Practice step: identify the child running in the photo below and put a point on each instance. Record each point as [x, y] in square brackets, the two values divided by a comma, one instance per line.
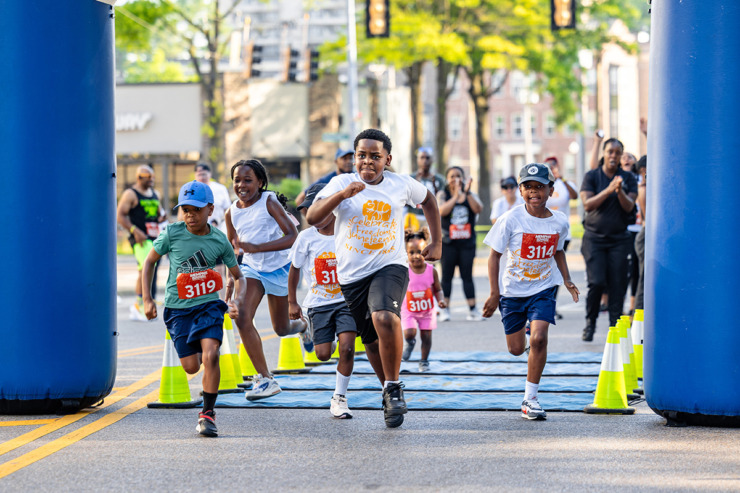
[259, 226]
[534, 237]
[193, 313]
[313, 253]
[417, 309]
[371, 262]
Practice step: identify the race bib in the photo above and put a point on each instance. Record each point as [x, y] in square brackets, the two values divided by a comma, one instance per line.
[326, 271]
[538, 246]
[152, 230]
[194, 284]
[419, 301]
[460, 232]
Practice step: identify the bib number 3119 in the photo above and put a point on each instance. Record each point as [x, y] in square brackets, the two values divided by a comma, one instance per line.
[195, 284]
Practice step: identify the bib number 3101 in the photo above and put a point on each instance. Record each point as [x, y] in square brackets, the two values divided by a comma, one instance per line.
[419, 301]
[196, 284]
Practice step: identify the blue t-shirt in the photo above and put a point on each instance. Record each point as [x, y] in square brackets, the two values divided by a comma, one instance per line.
[192, 280]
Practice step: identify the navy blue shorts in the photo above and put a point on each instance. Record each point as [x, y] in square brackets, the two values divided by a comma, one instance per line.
[330, 320]
[187, 326]
[516, 311]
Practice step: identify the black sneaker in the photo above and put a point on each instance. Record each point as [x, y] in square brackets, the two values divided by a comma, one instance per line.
[207, 424]
[588, 332]
[408, 349]
[393, 401]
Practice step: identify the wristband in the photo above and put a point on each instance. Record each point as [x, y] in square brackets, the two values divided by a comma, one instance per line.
[131, 229]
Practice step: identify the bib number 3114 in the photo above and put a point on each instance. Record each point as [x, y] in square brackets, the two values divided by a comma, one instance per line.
[538, 246]
[195, 284]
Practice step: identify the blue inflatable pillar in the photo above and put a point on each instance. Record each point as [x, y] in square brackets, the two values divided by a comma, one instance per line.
[692, 336]
[58, 286]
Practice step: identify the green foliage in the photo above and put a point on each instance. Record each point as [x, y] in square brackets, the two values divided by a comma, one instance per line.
[158, 69]
[290, 187]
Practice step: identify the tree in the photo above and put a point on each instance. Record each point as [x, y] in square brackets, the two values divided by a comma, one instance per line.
[187, 29]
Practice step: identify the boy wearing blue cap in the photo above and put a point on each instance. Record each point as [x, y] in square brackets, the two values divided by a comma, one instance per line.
[534, 237]
[193, 312]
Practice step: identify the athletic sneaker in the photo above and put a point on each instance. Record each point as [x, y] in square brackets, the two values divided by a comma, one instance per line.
[135, 314]
[393, 401]
[339, 408]
[263, 387]
[423, 366]
[408, 349]
[474, 315]
[207, 424]
[531, 409]
[443, 315]
[307, 335]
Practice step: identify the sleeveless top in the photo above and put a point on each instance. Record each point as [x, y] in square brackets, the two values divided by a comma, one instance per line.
[254, 224]
[458, 227]
[145, 215]
[419, 295]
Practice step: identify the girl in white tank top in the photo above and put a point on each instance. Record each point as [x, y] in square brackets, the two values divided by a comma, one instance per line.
[258, 226]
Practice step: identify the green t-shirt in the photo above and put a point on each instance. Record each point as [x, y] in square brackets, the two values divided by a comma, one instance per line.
[191, 280]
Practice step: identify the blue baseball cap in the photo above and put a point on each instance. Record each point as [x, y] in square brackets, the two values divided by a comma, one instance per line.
[342, 153]
[194, 193]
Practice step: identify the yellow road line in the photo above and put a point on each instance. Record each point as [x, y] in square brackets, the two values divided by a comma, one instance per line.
[27, 422]
[27, 438]
[137, 349]
[150, 351]
[56, 445]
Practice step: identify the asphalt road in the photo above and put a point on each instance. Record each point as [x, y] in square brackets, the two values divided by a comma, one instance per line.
[124, 446]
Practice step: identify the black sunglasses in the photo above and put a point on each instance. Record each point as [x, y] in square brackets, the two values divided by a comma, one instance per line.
[145, 177]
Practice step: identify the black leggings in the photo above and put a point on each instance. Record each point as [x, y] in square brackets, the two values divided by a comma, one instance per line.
[461, 257]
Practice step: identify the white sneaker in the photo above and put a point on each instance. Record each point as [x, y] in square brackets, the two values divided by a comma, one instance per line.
[444, 315]
[263, 387]
[474, 315]
[531, 409]
[339, 408]
[135, 314]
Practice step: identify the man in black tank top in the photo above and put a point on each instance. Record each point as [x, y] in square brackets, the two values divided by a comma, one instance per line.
[139, 213]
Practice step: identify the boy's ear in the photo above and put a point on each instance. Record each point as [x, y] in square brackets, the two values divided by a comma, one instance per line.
[552, 190]
[210, 209]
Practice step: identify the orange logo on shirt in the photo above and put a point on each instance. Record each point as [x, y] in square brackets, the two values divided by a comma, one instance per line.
[375, 211]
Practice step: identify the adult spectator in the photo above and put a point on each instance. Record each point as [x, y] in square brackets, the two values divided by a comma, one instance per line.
[608, 194]
[139, 213]
[641, 168]
[458, 209]
[509, 199]
[563, 192]
[427, 177]
[221, 196]
[343, 159]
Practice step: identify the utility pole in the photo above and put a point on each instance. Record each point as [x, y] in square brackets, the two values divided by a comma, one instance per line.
[352, 86]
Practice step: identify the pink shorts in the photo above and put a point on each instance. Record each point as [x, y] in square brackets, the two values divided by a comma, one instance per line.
[421, 321]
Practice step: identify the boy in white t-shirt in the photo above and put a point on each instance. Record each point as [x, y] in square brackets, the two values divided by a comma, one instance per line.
[372, 264]
[534, 237]
[313, 254]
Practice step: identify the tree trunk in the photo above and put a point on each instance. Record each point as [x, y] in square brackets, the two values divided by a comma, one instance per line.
[443, 92]
[414, 75]
[479, 96]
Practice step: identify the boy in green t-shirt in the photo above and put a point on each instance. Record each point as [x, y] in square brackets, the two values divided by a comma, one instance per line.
[193, 312]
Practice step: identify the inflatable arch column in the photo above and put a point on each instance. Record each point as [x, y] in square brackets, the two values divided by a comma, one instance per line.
[692, 269]
[58, 287]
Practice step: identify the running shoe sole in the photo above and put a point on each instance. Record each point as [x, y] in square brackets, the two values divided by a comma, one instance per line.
[392, 421]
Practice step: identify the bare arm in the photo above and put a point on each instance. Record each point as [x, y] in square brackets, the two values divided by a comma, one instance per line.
[572, 194]
[433, 250]
[445, 206]
[593, 201]
[235, 307]
[563, 268]
[290, 233]
[147, 272]
[294, 277]
[437, 288]
[594, 161]
[491, 304]
[642, 200]
[474, 202]
[128, 201]
[321, 208]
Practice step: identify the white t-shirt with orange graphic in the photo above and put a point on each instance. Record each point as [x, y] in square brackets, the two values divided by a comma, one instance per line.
[313, 253]
[369, 226]
[531, 243]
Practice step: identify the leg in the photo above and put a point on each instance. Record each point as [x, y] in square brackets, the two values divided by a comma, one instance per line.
[640, 249]
[346, 347]
[137, 286]
[516, 342]
[596, 263]
[617, 265]
[372, 351]
[538, 350]
[465, 265]
[390, 342]
[281, 322]
[323, 351]
[248, 332]
[211, 368]
[426, 344]
[191, 364]
[410, 335]
[449, 261]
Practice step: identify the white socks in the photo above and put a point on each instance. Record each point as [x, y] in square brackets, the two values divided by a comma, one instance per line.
[530, 391]
[342, 384]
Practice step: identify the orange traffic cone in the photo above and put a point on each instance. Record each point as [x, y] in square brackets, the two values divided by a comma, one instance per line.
[174, 390]
[610, 396]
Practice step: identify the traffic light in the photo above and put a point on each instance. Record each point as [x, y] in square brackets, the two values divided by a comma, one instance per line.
[312, 65]
[252, 55]
[290, 65]
[562, 14]
[378, 18]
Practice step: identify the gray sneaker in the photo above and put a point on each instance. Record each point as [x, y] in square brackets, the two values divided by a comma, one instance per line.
[307, 335]
[474, 315]
[263, 387]
[408, 349]
[531, 409]
[423, 366]
[444, 315]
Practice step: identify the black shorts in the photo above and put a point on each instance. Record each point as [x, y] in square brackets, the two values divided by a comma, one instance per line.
[329, 321]
[381, 290]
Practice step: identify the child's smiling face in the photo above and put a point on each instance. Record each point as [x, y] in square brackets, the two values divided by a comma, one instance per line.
[535, 194]
[246, 184]
[414, 247]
